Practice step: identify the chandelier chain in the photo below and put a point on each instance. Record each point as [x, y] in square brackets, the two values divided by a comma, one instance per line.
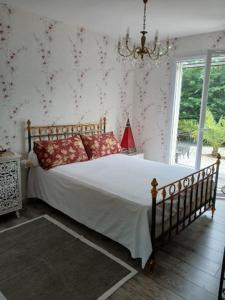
[144, 18]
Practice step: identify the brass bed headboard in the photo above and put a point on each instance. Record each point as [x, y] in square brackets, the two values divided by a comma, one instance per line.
[55, 132]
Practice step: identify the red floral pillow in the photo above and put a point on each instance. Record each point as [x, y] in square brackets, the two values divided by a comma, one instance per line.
[60, 152]
[98, 145]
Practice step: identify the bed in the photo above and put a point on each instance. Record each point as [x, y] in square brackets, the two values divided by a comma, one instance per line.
[112, 194]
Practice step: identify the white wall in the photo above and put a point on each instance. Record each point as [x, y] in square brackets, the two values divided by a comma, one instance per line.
[54, 73]
[153, 100]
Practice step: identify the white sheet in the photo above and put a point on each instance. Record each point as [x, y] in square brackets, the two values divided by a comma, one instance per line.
[110, 195]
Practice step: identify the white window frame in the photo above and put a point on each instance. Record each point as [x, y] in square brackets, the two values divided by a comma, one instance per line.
[175, 108]
[204, 100]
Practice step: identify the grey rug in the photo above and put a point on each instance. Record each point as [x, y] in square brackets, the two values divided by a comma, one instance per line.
[43, 259]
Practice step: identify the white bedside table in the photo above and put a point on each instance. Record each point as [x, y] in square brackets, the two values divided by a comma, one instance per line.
[135, 154]
[10, 183]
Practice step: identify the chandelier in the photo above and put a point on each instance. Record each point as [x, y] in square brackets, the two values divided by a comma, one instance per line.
[152, 51]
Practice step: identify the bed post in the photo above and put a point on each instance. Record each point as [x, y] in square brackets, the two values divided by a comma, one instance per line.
[154, 193]
[104, 124]
[29, 135]
[213, 207]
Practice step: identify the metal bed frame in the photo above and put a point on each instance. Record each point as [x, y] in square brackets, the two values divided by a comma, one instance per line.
[185, 199]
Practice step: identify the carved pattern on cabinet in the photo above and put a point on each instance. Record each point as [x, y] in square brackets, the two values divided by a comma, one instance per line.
[10, 189]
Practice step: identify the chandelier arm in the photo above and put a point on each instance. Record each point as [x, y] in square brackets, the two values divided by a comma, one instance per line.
[155, 55]
[164, 51]
[135, 52]
[148, 52]
[128, 48]
[124, 55]
[152, 50]
[130, 52]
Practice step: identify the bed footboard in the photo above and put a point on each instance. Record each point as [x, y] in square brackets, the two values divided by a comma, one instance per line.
[178, 204]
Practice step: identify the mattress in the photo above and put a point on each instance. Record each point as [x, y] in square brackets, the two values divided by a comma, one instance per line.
[110, 195]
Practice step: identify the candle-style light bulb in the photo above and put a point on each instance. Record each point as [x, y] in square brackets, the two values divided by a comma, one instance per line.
[168, 43]
[119, 43]
[128, 31]
[127, 35]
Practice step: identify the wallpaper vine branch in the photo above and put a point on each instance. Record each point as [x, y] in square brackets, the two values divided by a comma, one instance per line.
[51, 72]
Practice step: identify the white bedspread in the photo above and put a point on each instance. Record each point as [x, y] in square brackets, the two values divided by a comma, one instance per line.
[110, 195]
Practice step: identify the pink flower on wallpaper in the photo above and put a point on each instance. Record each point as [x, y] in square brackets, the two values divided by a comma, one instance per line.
[44, 51]
[6, 86]
[141, 138]
[5, 23]
[80, 34]
[15, 110]
[145, 106]
[125, 78]
[76, 54]
[6, 139]
[105, 40]
[142, 92]
[45, 45]
[122, 95]
[104, 107]
[163, 103]
[173, 43]
[77, 46]
[77, 98]
[140, 122]
[106, 75]
[11, 61]
[81, 73]
[51, 78]
[45, 101]
[82, 76]
[101, 95]
[146, 78]
[218, 40]
[144, 111]
[7, 80]
[102, 44]
[49, 28]
[83, 116]
[125, 103]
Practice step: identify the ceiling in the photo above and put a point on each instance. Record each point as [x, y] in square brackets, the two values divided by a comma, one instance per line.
[173, 18]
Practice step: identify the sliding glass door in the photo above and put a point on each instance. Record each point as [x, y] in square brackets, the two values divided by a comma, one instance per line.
[199, 127]
[189, 81]
[211, 138]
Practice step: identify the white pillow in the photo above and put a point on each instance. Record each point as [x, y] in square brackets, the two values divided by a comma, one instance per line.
[32, 158]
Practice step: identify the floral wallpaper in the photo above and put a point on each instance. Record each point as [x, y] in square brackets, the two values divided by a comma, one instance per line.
[54, 73]
[153, 97]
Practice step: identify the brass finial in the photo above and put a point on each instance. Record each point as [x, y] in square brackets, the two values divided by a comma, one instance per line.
[154, 185]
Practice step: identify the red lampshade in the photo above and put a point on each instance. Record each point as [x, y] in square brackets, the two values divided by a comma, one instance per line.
[127, 142]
